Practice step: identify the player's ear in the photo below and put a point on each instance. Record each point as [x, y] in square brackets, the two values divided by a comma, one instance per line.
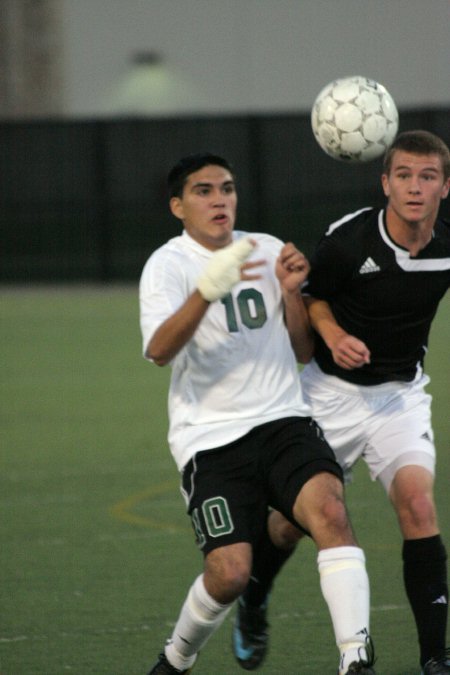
[385, 184]
[445, 189]
[176, 207]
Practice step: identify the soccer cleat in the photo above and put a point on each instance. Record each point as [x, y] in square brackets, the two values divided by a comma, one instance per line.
[250, 636]
[439, 665]
[163, 667]
[364, 666]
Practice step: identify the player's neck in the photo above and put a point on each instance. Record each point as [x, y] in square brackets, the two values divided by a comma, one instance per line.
[412, 235]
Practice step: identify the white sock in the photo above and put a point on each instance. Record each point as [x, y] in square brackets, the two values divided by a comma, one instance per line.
[199, 618]
[345, 587]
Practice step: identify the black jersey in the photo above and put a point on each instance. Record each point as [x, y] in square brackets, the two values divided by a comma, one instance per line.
[379, 294]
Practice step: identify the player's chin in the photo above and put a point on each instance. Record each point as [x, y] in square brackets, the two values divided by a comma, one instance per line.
[222, 235]
[414, 210]
[224, 231]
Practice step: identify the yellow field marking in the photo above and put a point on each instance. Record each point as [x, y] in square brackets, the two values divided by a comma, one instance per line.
[123, 510]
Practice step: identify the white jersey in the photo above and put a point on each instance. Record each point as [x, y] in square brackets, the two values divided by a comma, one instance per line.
[238, 370]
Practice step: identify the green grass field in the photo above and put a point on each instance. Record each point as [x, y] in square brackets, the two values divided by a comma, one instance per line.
[96, 550]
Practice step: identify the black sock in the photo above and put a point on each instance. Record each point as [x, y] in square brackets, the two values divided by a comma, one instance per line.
[425, 577]
[267, 562]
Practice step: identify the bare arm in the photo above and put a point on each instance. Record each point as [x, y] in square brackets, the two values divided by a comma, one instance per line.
[348, 351]
[292, 269]
[177, 330]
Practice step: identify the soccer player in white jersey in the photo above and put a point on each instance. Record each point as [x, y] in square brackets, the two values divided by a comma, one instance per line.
[215, 305]
[376, 281]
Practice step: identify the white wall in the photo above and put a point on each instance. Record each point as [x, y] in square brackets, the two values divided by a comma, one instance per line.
[240, 56]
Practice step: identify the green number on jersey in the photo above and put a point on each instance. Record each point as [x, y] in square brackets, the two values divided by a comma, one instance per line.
[251, 309]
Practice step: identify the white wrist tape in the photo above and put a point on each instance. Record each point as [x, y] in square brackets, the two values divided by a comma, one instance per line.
[224, 270]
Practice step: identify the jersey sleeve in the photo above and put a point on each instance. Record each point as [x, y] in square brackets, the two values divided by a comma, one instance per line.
[330, 269]
[162, 290]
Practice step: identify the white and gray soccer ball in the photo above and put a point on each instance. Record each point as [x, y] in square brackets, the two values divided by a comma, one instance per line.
[354, 119]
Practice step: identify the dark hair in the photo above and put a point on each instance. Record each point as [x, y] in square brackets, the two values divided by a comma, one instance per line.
[179, 173]
[419, 143]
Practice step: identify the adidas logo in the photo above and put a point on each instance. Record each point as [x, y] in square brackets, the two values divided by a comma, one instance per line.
[442, 600]
[369, 266]
[426, 436]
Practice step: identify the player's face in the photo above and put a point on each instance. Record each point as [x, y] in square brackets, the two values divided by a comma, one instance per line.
[415, 187]
[208, 206]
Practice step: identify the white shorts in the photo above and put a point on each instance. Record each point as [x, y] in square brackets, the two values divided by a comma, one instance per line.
[389, 425]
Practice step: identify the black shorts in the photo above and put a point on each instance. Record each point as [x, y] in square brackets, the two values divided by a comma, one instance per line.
[229, 489]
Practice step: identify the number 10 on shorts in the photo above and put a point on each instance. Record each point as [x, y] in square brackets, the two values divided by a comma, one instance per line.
[217, 517]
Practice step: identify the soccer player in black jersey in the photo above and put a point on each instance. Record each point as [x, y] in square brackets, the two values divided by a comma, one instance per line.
[376, 281]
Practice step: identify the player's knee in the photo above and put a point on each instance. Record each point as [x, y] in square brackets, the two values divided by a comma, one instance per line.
[418, 510]
[228, 577]
[288, 537]
[283, 534]
[235, 579]
[334, 514]
[320, 507]
[327, 521]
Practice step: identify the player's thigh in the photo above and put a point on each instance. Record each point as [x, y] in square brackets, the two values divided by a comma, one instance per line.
[301, 454]
[402, 436]
[342, 415]
[226, 501]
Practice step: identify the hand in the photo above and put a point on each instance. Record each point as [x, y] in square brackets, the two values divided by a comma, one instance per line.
[291, 268]
[226, 268]
[246, 275]
[349, 352]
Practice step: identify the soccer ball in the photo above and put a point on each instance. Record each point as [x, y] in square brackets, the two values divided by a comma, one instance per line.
[354, 119]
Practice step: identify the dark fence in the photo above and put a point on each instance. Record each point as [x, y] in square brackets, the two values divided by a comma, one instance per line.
[86, 200]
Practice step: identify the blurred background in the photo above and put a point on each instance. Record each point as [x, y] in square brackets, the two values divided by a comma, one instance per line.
[98, 98]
